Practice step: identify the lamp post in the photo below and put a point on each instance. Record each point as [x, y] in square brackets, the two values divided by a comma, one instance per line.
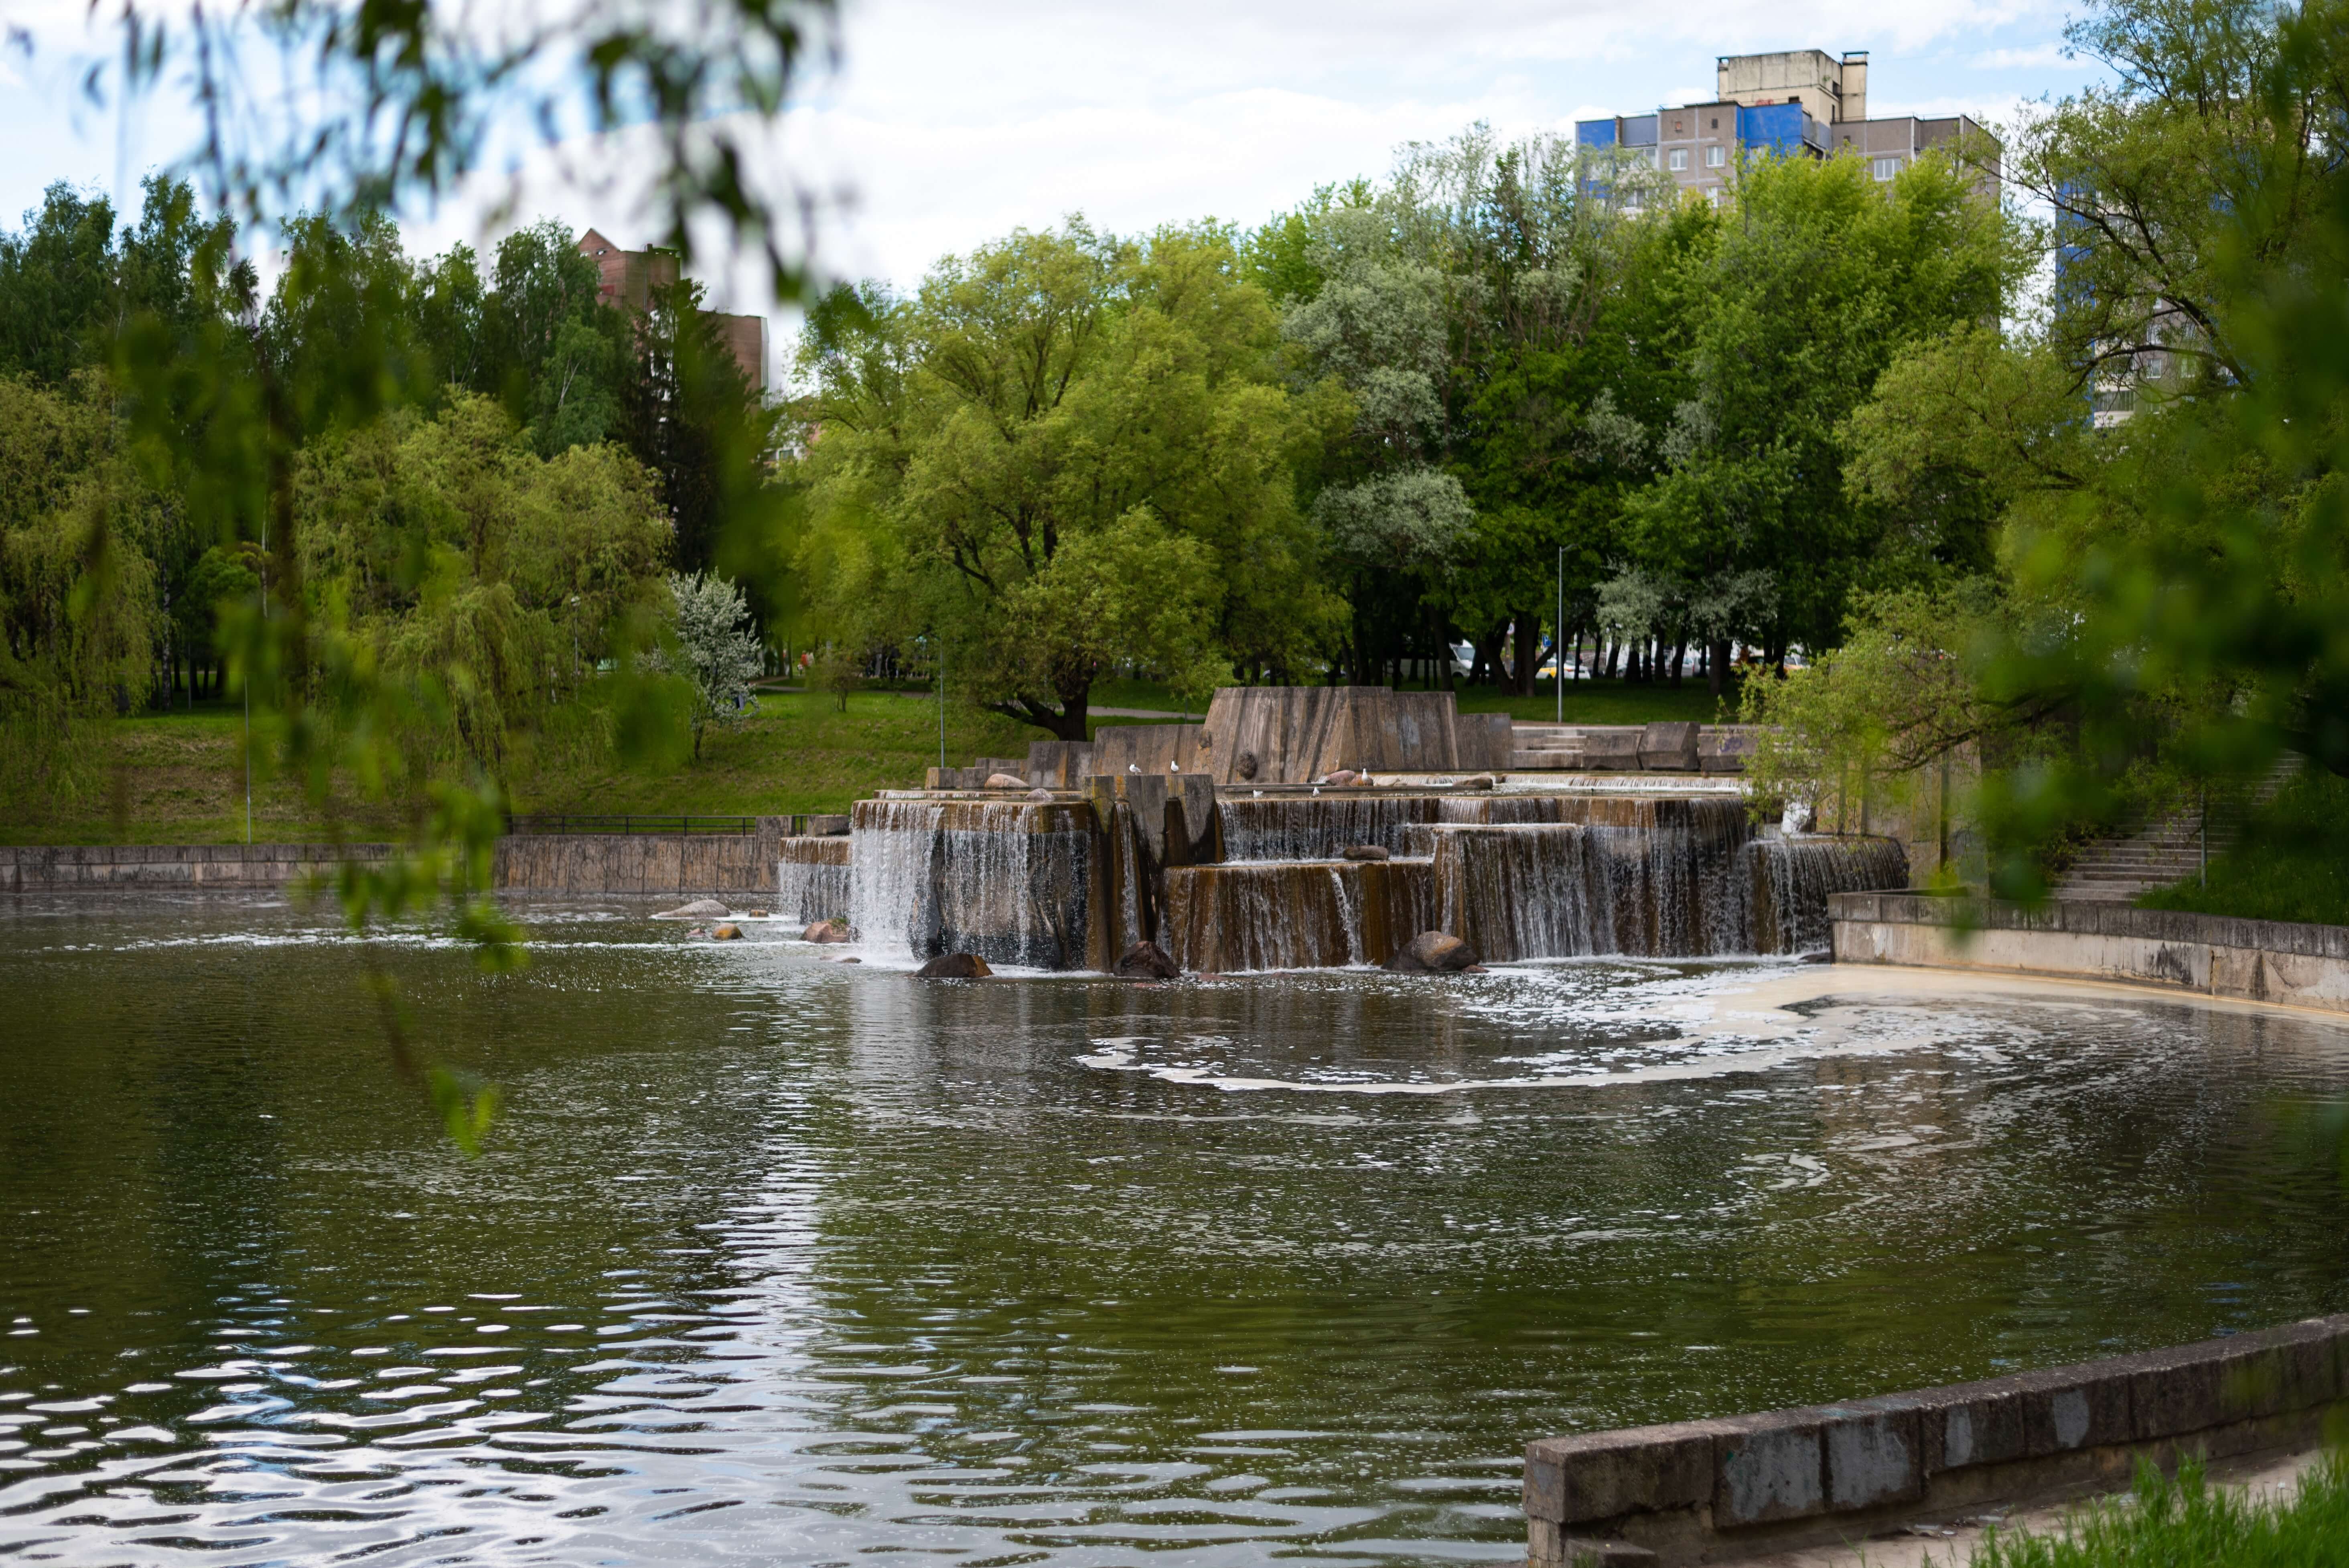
[1558, 635]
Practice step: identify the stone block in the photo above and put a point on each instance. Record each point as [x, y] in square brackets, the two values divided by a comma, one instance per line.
[1724, 748]
[1873, 1454]
[1972, 1424]
[1669, 748]
[1611, 748]
[2065, 1409]
[1605, 1475]
[1767, 1467]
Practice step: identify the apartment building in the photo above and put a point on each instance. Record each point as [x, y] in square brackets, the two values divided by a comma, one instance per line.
[628, 278]
[1797, 103]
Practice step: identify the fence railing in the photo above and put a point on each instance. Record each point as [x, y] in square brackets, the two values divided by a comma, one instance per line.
[630, 823]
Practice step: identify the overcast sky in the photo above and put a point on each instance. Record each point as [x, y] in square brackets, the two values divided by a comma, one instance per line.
[950, 122]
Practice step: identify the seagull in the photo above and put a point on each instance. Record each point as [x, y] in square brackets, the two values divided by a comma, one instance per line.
[1174, 768]
[1134, 768]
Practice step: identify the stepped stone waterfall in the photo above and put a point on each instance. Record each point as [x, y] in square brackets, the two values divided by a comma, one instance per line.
[1213, 842]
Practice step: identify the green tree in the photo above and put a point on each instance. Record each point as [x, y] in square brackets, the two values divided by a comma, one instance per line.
[1069, 452]
[1820, 278]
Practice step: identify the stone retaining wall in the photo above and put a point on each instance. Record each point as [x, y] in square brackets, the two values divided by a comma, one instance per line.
[564, 863]
[1711, 1492]
[55, 868]
[2256, 960]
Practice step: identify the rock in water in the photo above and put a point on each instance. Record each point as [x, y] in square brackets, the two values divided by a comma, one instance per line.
[700, 909]
[727, 934]
[1433, 953]
[1341, 776]
[1145, 961]
[833, 930]
[957, 966]
[1366, 852]
[1481, 782]
[1005, 781]
[757, 914]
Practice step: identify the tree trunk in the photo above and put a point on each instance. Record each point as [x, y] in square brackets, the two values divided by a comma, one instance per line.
[1680, 659]
[1716, 668]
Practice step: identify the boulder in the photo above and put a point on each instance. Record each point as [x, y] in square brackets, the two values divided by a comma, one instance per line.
[1342, 775]
[1145, 961]
[757, 914]
[833, 930]
[728, 932]
[955, 966]
[1367, 852]
[1481, 782]
[1040, 794]
[1005, 781]
[700, 909]
[1433, 953]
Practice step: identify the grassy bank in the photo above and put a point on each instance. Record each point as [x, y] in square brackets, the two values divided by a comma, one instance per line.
[2292, 862]
[2188, 1523]
[179, 776]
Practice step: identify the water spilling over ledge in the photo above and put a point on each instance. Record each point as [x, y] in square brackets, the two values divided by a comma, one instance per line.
[1259, 880]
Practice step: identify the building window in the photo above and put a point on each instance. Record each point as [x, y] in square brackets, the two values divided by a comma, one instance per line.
[1678, 158]
[1712, 156]
[1887, 167]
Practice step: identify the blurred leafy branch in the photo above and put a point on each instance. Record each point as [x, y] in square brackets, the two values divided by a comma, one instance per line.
[322, 123]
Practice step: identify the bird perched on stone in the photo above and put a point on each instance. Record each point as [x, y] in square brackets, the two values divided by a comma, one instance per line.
[1134, 768]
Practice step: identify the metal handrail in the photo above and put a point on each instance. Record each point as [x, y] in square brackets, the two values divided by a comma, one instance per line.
[630, 823]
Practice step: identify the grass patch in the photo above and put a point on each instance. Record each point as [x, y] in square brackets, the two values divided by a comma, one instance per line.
[2292, 862]
[2188, 1523]
[179, 778]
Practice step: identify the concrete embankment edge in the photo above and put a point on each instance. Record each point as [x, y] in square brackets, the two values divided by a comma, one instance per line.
[1717, 1491]
[2252, 960]
[554, 863]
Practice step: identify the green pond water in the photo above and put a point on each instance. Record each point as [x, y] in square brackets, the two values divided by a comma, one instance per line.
[777, 1260]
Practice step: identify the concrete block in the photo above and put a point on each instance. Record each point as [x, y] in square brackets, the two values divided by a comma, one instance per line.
[1611, 748]
[1767, 1467]
[1603, 1475]
[1724, 748]
[1972, 1424]
[1669, 748]
[2070, 1407]
[1873, 1454]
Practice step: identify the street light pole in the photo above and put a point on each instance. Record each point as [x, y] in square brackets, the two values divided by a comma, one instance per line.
[1558, 635]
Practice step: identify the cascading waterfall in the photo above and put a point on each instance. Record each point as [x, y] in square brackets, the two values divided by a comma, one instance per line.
[1006, 880]
[1323, 826]
[814, 879]
[1792, 878]
[1518, 877]
[1294, 914]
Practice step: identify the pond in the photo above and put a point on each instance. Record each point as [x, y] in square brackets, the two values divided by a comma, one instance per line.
[779, 1260]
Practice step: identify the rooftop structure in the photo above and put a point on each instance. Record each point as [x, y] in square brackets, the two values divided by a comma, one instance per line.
[629, 277]
[1795, 103]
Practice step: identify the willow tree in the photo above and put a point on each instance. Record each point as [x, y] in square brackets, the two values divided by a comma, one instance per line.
[1068, 453]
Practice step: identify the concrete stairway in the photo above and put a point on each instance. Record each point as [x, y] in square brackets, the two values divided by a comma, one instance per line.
[2115, 871]
[1543, 746]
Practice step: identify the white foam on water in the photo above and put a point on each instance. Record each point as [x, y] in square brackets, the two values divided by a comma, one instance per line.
[1852, 1011]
